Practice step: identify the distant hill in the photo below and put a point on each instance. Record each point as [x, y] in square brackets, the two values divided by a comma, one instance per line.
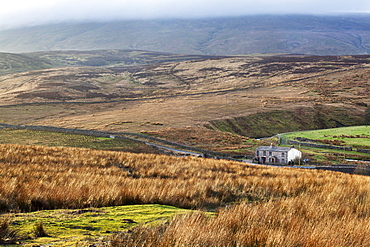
[293, 34]
[254, 96]
[14, 63]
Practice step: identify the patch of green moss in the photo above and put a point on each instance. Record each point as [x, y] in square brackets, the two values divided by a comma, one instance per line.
[81, 227]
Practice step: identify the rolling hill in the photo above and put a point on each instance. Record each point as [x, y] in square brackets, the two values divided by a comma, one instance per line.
[13, 63]
[253, 96]
[298, 34]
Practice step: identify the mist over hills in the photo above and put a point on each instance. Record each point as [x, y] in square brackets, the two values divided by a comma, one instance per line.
[293, 34]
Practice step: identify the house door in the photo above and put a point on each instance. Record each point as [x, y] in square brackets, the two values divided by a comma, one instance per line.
[263, 160]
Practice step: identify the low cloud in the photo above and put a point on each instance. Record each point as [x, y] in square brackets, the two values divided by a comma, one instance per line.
[22, 13]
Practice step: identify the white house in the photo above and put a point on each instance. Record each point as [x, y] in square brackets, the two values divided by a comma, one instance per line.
[277, 155]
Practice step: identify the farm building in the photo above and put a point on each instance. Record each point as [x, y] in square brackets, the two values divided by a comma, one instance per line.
[276, 155]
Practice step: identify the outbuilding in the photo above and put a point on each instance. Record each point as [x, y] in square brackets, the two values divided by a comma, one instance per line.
[277, 155]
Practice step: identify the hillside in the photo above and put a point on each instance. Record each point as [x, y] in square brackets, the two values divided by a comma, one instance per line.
[13, 63]
[251, 204]
[293, 34]
[252, 96]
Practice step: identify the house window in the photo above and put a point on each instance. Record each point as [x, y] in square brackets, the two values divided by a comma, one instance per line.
[283, 160]
[270, 153]
[258, 153]
[282, 154]
[264, 152]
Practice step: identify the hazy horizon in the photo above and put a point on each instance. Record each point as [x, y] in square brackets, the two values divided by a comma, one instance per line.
[21, 13]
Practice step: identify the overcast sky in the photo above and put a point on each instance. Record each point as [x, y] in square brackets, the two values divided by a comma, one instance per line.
[15, 13]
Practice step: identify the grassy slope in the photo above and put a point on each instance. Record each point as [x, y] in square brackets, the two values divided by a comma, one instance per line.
[270, 123]
[218, 141]
[14, 63]
[53, 139]
[285, 207]
[320, 35]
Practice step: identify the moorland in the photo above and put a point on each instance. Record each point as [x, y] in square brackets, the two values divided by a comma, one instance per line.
[254, 96]
[218, 103]
[250, 205]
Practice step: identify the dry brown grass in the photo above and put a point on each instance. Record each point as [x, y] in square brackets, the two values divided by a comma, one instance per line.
[328, 210]
[44, 178]
[7, 235]
[273, 206]
[258, 85]
[214, 140]
[286, 222]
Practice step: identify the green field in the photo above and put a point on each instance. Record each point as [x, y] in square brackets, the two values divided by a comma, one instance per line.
[83, 226]
[356, 136]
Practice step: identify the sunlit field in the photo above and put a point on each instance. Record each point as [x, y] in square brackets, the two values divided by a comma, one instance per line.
[253, 205]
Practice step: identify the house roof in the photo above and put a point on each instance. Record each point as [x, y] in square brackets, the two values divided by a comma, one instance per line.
[273, 148]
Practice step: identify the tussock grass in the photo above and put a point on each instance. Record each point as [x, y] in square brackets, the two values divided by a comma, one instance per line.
[288, 222]
[333, 210]
[39, 230]
[267, 206]
[7, 235]
[35, 178]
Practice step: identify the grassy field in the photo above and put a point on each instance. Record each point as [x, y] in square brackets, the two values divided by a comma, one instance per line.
[54, 139]
[81, 227]
[356, 136]
[254, 205]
